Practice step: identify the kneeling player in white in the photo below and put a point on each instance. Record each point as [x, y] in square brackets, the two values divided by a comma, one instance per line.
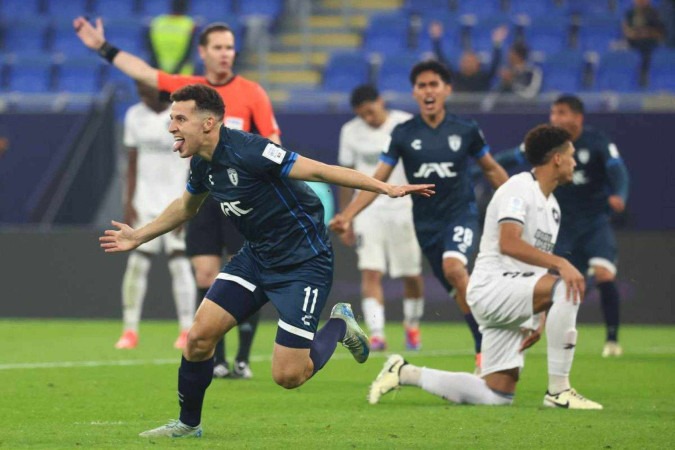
[511, 289]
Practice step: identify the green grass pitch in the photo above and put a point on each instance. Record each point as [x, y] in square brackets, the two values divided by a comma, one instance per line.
[62, 385]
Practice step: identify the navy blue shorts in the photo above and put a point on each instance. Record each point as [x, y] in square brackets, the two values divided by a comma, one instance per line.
[459, 240]
[298, 292]
[588, 244]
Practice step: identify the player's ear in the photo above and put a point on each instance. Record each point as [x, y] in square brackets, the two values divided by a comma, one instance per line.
[209, 123]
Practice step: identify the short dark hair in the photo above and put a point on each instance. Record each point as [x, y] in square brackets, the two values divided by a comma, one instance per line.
[362, 94]
[521, 49]
[542, 141]
[179, 6]
[213, 28]
[206, 99]
[433, 66]
[572, 101]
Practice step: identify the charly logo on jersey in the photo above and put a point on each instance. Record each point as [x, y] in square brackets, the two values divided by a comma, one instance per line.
[233, 175]
[416, 144]
[455, 142]
[233, 208]
[583, 155]
[443, 170]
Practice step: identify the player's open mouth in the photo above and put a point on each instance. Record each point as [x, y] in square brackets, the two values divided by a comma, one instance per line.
[178, 144]
[429, 101]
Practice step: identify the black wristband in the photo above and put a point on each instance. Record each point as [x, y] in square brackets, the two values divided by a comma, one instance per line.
[108, 52]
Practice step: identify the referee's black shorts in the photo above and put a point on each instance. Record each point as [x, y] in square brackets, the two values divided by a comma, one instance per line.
[210, 231]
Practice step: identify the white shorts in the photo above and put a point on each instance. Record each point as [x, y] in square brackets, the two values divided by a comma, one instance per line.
[173, 241]
[502, 306]
[386, 242]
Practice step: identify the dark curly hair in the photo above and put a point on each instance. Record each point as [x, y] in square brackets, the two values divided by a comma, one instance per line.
[206, 99]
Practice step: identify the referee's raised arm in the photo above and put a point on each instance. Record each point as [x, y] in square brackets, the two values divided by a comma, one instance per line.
[93, 37]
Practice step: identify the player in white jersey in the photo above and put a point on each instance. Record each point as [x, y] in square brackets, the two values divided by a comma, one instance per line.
[512, 287]
[384, 234]
[154, 179]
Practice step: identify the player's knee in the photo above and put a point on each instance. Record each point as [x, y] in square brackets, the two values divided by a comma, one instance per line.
[455, 272]
[288, 379]
[199, 345]
[204, 277]
[602, 275]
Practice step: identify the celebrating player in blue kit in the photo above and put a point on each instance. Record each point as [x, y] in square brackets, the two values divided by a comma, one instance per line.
[435, 147]
[600, 185]
[287, 258]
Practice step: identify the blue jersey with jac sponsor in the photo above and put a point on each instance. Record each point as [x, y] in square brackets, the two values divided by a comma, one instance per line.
[440, 156]
[586, 197]
[281, 218]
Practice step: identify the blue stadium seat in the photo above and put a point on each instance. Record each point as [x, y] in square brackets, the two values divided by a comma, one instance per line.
[25, 35]
[452, 31]
[14, 9]
[532, 8]
[270, 8]
[618, 71]
[32, 75]
[427, 7]
[387, 33]
[547, 34]
[117, 9]
[80, 74]
[479, 8]
[211, 11]
[67, 9]
[64, 40]
[155, 7]
[395, 73]
[480, 34]
[563, 72]
[662, 71]
[592, 7]
[598, 31]
[345, 71]
[128, 35]
[124, 85]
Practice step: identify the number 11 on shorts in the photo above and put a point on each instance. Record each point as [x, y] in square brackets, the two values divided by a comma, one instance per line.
[309, 291]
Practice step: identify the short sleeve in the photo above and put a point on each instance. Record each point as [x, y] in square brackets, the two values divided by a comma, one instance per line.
[263, 114]
[270, 159]
[130, 139]
[197, 178]
[513, 207]
[345, 152]
[478, 146]
[392, 149]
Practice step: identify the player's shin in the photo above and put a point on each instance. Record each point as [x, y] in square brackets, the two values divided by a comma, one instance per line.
[193, 379]
[325, 341]
[561, 335]
[459, 387]
[134, 286]
[609, 299]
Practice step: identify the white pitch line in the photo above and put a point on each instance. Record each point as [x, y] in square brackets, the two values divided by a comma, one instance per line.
[261, 358]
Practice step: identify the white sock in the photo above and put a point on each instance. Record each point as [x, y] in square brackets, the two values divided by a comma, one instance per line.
[134, 285]
[184, 290]
[413, 310]
[561, 336]
[460, 387]
[373, 315]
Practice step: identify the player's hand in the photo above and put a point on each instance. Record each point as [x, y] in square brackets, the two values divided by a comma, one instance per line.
[121, 240]
[348, 237]
[574, 280]
[435, 30]
[90, 36]
[531, 338]
[425, 190]
[616, 203]
[499, 34]
[339, 224]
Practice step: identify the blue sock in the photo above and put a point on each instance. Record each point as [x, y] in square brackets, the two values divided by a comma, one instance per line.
[193, 379]
[325, 341]
[609, 299]
[473, 326]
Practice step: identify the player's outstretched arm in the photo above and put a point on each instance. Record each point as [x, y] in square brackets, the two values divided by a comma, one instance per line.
[177, 213]
[93, 37]
[512, 244]
[494, 172]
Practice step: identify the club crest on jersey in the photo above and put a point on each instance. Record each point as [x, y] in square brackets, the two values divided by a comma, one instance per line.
[455, 142]
[234, 176]
[583, 155]
[556, 216]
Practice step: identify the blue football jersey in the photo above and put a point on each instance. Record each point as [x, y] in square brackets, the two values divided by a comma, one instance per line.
[440, 156]
[586, 196]
[281, 218]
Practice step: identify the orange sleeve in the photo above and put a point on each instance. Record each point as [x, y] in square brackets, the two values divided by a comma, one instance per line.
[263, 114]
[170, 83]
